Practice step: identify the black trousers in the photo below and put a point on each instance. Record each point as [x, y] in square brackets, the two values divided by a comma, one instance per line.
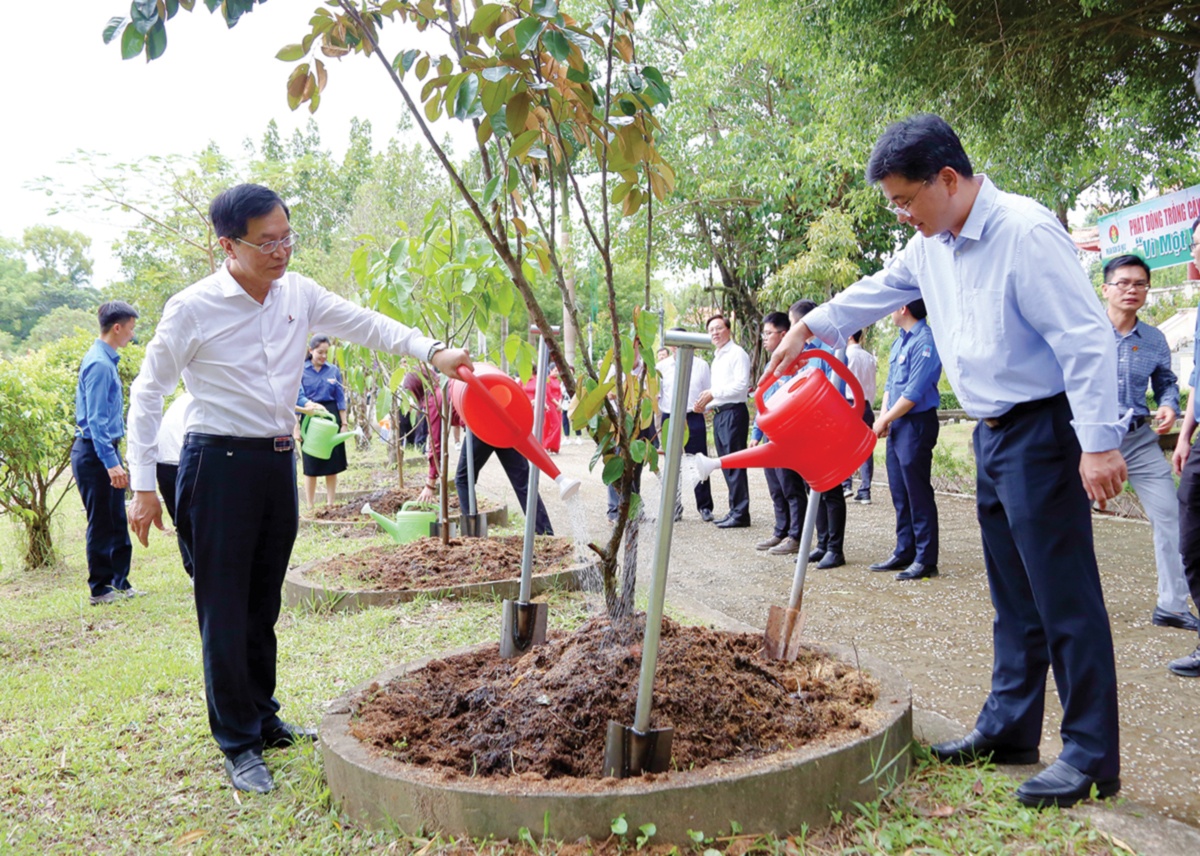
[239, 512]
[831, 521]
[697, 444]
[108, 547]
[731, 429]
[790, 501]
[1189, 521]
[909, 458]
[167, 477]
[1036, 523]
[516, 467]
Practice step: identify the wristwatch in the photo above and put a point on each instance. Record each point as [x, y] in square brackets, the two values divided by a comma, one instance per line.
[433, 349]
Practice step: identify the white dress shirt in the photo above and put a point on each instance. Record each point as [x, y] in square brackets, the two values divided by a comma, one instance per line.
[730, 375]
[171, 430]
[862, 365]
[701, 380]
[242, 360]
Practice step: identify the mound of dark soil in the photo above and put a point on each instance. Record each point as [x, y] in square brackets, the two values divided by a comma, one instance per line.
[427, 563]
[545, 715]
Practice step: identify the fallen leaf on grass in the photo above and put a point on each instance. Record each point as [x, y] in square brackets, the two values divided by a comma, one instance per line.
[977, 788]
[940, 811]
[1117, 842]
[190, 837]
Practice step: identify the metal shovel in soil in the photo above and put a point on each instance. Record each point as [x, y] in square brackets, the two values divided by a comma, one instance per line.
[474, 524]
[523, 624]
[633, 750]
[784, 626]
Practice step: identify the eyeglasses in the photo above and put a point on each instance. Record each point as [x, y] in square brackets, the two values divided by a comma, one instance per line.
[271, 246]
[902, 210]
[1130, 284]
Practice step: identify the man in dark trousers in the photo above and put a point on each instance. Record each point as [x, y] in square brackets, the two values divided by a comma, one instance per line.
[96, 456]
[516, 467]
[1031, 356]
[909, 422]
[726, 398]
[785, 486]
[238, 338]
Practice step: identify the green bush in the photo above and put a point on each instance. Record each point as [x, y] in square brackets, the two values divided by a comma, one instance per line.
[948, 401]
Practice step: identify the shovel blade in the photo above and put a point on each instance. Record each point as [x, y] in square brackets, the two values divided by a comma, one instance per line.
[474, 526]
[629, 752]
[784, 630]
[522, 626]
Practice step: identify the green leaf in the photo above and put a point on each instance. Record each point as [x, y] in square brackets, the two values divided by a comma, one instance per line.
[113, 29]
[485, 16]
[496, 73]
[590, 405]
[491, 191]
[131, 43]
[619, 825]
[545, 8]
[144, 14]
[527, 33]
[579, 75]
[614, 468]
[637, 451]
[522, 143]
[557, 45]
[291, 53]
[465, 97]
[156, 41]
[500, 122]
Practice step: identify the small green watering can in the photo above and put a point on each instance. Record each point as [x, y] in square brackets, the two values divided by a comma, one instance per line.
[408, 525]
[321, 435]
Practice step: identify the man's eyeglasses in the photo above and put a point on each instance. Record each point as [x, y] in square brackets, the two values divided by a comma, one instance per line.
[902, 210]
[271, 246]
[1130, 284]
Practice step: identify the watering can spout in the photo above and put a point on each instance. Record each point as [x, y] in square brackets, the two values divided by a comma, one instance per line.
[388, 526]
[765, 455]
[567, 487]
[705, 466]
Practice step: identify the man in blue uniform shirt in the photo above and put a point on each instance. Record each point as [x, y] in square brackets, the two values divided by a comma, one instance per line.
[909, 421]
[96, 458]
[1031, 356]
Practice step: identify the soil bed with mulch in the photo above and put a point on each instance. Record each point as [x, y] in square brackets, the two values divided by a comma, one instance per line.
[427, 563]
[387, 502]
[545, 715]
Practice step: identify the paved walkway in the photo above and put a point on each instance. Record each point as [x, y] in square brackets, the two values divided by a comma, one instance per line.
[938, 632]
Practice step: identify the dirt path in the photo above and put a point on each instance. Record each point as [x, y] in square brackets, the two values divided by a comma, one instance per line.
[938, 632]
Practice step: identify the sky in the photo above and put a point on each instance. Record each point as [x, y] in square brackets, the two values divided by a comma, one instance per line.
[75, 92]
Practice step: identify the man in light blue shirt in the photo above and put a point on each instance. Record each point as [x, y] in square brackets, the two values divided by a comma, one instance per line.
[1030, 355]
[96, 456]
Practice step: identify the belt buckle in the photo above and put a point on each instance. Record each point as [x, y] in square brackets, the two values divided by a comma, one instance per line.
[992, 423]
[284, 444]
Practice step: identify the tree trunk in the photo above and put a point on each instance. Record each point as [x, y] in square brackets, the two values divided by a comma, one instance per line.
[39, 544]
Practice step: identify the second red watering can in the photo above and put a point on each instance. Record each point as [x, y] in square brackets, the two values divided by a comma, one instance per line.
[813, 430]
[497, 411]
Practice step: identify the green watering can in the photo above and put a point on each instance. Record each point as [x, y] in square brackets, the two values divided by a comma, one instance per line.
[408, 525]
[321, 435]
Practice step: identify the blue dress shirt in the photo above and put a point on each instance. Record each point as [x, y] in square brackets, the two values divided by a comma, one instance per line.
[323, 385]
[1144, 358]
[99, 403]
[1014, 317]
[914, 369]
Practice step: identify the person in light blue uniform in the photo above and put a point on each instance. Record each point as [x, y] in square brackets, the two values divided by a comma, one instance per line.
[1031, 356]
[909, 421]
[96, 456]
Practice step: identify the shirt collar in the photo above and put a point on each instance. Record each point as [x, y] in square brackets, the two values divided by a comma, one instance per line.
[230, 287]
[1136, 331]
[985, 201]
[109, 350]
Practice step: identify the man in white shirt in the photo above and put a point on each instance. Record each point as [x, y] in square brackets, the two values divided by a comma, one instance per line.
[726, 398]
[238, 339]
[863, 364]
[697, 438]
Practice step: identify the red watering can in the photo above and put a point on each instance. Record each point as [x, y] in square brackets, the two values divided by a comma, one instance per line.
[497, 410]
[813, 430]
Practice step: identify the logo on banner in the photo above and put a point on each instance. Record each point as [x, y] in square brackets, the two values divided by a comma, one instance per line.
[1114, 234]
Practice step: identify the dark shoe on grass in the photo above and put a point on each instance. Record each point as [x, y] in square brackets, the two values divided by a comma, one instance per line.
[975, 747]
[287, 735]
[248, 772]
[1062, 785]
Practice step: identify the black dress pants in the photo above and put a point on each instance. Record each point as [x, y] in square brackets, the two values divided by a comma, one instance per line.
[516, 467]
[831, 521]
[731, 430]
[1036, 523]
[909, 459]
[109, 549]
[239, 512]
[167, 476]
[790, 500]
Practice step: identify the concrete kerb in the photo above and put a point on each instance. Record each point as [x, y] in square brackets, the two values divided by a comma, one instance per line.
[779, 793]
[302, 592]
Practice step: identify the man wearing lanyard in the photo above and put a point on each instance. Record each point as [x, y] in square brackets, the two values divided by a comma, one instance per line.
[731, 418]
[96, 458]
[1031, 356]
[238, 339]
[1144, 359]
[909, 421]
[697, 442]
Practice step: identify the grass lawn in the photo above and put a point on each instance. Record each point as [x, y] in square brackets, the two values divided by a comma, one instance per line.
[105, 748]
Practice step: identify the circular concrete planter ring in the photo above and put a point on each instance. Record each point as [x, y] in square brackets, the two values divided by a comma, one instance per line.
[300, 591]
[776, 794]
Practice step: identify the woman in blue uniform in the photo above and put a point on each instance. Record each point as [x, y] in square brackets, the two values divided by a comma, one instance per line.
[322, 384]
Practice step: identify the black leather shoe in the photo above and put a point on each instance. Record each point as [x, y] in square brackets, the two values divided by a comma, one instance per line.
[288, 735]
[917, 571]
[1062, 785]
[975, 747]
[831, 560]
[1180, 620]
[733, 523]
[1187, 667]
[706, 515]
[248, 772]
[891, 563]
[816, 555]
